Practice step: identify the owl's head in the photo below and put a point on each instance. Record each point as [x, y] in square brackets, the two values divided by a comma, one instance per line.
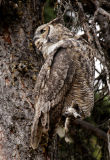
[49, 34]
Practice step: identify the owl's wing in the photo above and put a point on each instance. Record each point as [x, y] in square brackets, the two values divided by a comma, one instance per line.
[53, 83]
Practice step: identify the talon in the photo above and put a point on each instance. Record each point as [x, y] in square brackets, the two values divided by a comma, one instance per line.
[72, 112]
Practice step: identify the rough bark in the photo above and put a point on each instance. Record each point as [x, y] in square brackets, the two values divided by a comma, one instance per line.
[19, 66]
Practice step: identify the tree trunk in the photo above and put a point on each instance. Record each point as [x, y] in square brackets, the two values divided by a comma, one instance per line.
[19, 66]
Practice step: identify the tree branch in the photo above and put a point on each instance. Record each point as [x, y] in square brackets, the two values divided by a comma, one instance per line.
[96, 131]
[85, 125]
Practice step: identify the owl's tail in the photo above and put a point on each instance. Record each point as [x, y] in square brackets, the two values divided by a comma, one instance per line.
[36, 133]
[40, 126]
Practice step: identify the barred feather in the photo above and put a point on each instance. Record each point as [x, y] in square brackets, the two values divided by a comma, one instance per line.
[66, 78]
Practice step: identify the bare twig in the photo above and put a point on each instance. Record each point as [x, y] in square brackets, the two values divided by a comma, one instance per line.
[100, 53]
[103, 12]
[85, 24]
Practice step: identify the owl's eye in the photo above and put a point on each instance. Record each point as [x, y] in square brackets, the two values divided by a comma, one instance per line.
[42, 31]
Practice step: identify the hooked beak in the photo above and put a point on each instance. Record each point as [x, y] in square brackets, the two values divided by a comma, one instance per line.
[35, 38]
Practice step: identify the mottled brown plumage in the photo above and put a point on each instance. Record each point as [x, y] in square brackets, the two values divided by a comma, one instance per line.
[65, 80]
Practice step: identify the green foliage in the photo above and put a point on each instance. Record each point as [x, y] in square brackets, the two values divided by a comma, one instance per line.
[96, 148]
[49, 12]
[101, 110]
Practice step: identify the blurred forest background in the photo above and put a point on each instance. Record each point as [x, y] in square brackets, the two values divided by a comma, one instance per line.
[20, 65]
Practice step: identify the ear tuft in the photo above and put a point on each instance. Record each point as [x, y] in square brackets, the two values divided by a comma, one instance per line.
[56, 21]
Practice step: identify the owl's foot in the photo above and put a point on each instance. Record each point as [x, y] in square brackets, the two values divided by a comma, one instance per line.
[67, 128]
[71, 112]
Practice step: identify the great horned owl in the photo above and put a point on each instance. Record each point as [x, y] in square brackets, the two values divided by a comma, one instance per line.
[64, 81]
